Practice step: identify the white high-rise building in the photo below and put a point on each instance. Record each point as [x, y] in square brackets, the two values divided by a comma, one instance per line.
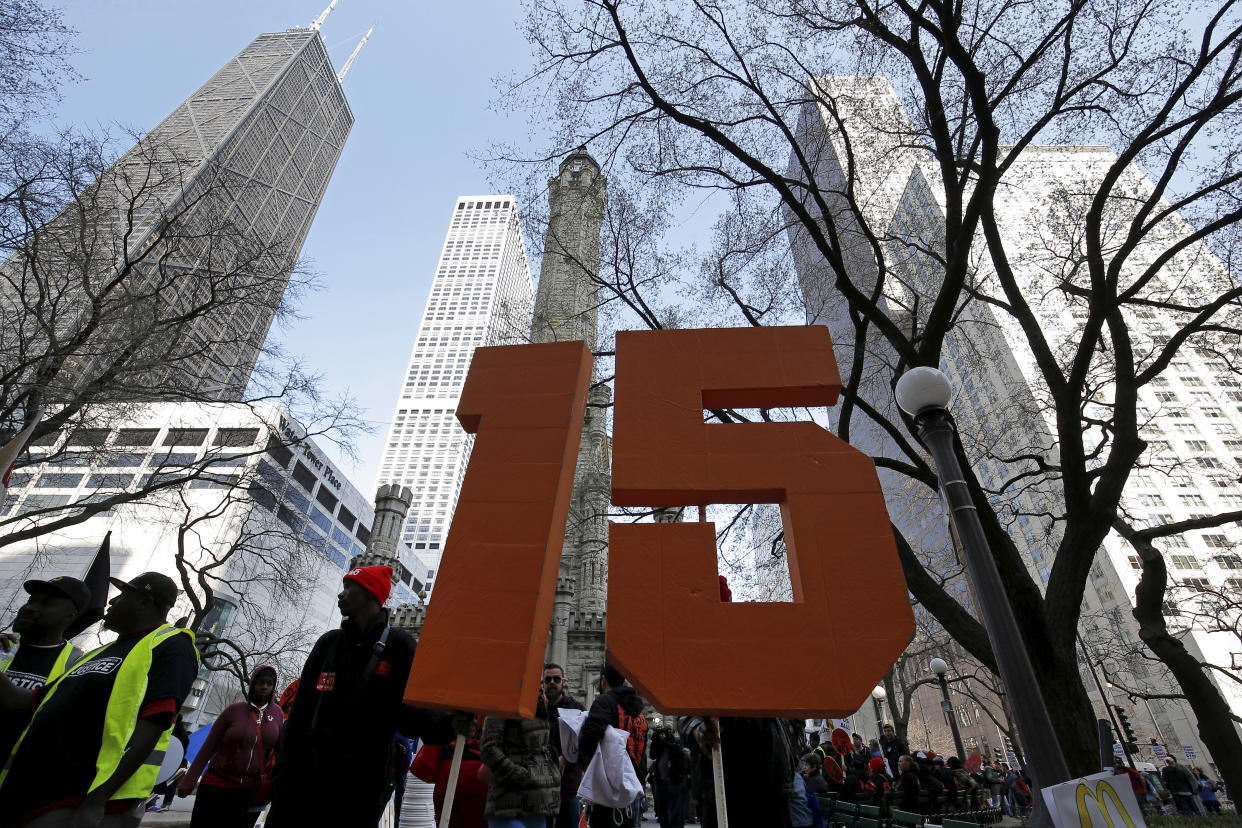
[1192, 414]
[271, 525]
[481, 295]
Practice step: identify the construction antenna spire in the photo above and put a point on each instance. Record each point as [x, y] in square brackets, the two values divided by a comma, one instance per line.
[318, 24]
[340, 76]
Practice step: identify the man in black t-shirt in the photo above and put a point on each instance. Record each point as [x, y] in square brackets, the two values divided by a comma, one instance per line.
[68, 767]
[42, 652]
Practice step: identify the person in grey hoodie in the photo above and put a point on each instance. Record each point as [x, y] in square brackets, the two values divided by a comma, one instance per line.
[618, 705]
[525, 784]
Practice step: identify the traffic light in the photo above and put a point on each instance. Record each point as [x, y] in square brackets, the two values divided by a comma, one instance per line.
[996, 752]
[1127, 729]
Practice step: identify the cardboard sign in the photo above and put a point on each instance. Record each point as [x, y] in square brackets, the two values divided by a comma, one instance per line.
[482, 646]
[1102, 800]
[841, 742]
[668, 630]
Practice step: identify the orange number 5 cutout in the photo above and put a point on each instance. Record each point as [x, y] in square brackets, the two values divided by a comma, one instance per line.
[483, 643]
[668, 630]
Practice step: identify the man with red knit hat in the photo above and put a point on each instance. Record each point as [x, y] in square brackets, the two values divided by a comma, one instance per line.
[336, 755]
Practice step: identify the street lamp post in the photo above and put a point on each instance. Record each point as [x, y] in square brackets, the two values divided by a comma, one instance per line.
[878, 695]
[924, 394]
[940, 667]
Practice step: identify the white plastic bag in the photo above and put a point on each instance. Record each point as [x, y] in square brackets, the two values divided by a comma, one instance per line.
[610, 779]
[570, 724]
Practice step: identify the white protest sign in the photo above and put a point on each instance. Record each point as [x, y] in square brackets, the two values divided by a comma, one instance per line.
[1102, 800]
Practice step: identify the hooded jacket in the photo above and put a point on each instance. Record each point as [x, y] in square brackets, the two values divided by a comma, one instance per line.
[340, 735]
[610, 709]
[241, 743]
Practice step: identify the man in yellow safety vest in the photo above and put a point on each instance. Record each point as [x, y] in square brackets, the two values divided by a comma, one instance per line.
[91, 753]
[42, 653]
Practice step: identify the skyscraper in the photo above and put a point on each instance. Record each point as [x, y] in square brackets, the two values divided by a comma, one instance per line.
[1192, 420]
[214, 205]
[481, 295]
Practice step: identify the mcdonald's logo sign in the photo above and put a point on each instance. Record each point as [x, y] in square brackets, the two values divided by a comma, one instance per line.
[1103, 796]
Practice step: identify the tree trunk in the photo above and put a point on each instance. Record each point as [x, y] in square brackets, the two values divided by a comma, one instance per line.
[1069, 707]
[1216, 726]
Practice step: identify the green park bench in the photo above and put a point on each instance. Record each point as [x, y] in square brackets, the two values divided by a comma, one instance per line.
[906, 819]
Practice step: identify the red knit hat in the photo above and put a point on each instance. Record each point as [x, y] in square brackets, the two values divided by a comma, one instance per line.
[376, 580]
[876, 764]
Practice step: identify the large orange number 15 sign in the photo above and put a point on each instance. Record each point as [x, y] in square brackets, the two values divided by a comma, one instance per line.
[688, 652]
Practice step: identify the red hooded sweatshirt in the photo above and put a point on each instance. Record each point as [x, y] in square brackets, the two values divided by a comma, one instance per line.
[239, 746]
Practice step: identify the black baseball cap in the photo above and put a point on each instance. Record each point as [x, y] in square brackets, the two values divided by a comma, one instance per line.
[64, 586]
[154, 585]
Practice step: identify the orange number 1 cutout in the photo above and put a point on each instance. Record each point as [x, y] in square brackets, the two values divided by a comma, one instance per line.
[483, 643]
[668, 630]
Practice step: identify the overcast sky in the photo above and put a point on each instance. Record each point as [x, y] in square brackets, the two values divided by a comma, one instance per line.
[419, 92]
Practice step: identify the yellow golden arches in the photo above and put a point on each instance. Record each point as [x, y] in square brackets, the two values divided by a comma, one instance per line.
[1103, 791]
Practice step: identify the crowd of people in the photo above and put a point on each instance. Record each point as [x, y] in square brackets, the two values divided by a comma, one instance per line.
[334, 749]
[886, 773]
[336, 746]
[1174, 787]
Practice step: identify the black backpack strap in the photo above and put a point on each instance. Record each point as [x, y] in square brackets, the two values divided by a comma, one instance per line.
[376, 652]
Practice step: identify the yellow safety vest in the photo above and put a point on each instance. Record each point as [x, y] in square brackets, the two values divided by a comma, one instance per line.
[62, 662]
[121, 716]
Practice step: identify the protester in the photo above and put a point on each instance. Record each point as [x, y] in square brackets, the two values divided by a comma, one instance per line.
[812, 771]
[893, 748]
[524, 785]
[103, 719]
[620, 706]
[759, 759]
[945, 776]
[800, 813]
[1182, 784]
[995, 777]
[862, 753]
[874, 747]
[967, 787]
[1207, 792]
[881, 782]
[931, 789]
[1137, 783]
[556, 692]
[162, 794]
[42, 653]
[669, 774]
[1022, 798]
[433, 764]
[334, 759]
[238, 755]
[907, 784]
[857, 785]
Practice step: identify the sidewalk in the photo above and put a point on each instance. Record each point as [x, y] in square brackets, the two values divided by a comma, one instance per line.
[178, 815]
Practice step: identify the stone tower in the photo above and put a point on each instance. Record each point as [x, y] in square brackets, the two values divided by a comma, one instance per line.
[567, 296]
[392, 502]
[566, 309]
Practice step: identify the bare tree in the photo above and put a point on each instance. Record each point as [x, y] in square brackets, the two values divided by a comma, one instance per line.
[234, 554]
[714, 102]
[34, 47]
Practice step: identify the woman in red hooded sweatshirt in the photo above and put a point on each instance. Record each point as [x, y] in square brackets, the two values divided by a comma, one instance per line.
[238, 755]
